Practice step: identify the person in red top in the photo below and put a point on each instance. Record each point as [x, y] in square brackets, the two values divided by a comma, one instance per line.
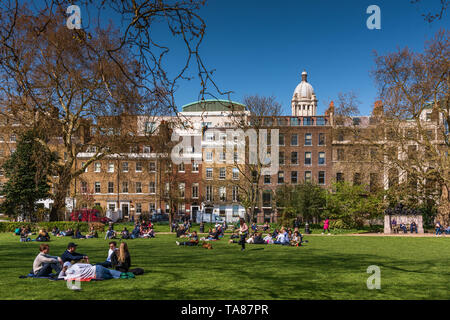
[243, 231]
[326, 226]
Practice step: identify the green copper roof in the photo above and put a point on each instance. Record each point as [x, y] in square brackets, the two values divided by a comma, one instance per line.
[213, 105]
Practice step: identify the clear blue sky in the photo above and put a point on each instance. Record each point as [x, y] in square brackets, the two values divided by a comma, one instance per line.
[261, 47]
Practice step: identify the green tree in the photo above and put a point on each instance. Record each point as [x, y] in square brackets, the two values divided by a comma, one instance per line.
[27, 170]
[351, 205]
[306, 200]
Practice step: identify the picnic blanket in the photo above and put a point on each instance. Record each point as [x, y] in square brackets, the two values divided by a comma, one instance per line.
[53, 277]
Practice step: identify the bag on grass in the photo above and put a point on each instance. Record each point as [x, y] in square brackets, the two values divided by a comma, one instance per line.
[137, 271]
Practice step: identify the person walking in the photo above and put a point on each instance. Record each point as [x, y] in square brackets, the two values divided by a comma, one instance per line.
[243, 231]
[326, 226]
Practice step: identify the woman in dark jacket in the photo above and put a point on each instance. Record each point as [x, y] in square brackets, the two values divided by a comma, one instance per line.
[120, 259]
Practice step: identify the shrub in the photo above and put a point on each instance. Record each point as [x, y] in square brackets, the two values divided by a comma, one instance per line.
[98, 226]
[62, 225]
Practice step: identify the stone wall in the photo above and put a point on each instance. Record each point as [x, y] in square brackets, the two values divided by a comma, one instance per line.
[403, 219]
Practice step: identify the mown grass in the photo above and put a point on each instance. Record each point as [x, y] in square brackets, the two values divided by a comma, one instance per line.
[328, 267]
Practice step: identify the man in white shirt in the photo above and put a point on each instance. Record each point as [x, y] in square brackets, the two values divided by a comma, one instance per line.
[112, 248]
[44, 263]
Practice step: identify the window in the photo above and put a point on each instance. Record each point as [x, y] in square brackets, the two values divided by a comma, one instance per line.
[209, 173]
[181, 167]
[294, 178]
[294, 140]
[373, 184]
[138, 208]
[138, 166]
[152, 187]
[222, 156]
[321, 139]
[1, 172]
[308, 176]
[195, 190]
[281, 139]
[223, 193]
[281, 177]
[152, 207]
[13, 138]
[281, 157]
[428, 115]
[150, 127]
[308, 139]
[209, 156]
[222, 173]
[356, 121]
[209, 136]
[125, 187]
[294, 158]
[152, 166]
[356, 178]
[97, 167]
[321, 158]
[209, 193]
[235, 174]
[339, 177]
[110, 167]
[294, 122]
[340, 154]
[97, 187]
[182, 188]
[138, 187]
[308, 121]
[147, 149]
[321, 121]
[84, 187]
[266, 179]
[321, 177]
[235, 157]
[235, 194]
[110, 187]
[125, 166]
[112, 206]
[307, 158]
[194, 167]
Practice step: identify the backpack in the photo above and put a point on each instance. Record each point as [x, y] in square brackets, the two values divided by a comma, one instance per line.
[137, 271]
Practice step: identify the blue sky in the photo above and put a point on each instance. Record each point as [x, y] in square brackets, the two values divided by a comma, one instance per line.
[261, 47]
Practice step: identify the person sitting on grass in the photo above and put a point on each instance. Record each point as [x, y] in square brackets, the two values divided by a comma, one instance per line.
[181, 232]
[121, 259]
[235, 235]
[193, 240]
[254, 227]
[266, 226]
[55, 231]
[149, 233]
[110, 233]
[125, 233]
[251, 239]
[282, 238]
[268, 239]
[77, 235]
[17, 231]
[275, 233]
[112, 249]
[43, 236]
[44, 263]
[71, 255]
[24, 235]
[92, 233]
[83, 271]
[438, 228]
[258, 239]
[135, 232]
[296, 239]
[213, 236]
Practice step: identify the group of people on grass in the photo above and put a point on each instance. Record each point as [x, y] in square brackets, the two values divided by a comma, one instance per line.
[25, 234]
[440, 229]
[140, 230]
[72, 265]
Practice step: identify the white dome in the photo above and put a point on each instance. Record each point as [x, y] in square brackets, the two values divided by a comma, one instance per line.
[304, 91]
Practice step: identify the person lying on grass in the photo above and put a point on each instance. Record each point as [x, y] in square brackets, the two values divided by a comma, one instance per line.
[44, 263]
[67, 233]
[149, 233]
[83, 271]
[193, 240]
[70, 254]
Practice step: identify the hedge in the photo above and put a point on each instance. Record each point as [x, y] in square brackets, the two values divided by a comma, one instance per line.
[62, 225]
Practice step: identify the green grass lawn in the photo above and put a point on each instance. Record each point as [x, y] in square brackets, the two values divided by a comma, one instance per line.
[328, 267]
